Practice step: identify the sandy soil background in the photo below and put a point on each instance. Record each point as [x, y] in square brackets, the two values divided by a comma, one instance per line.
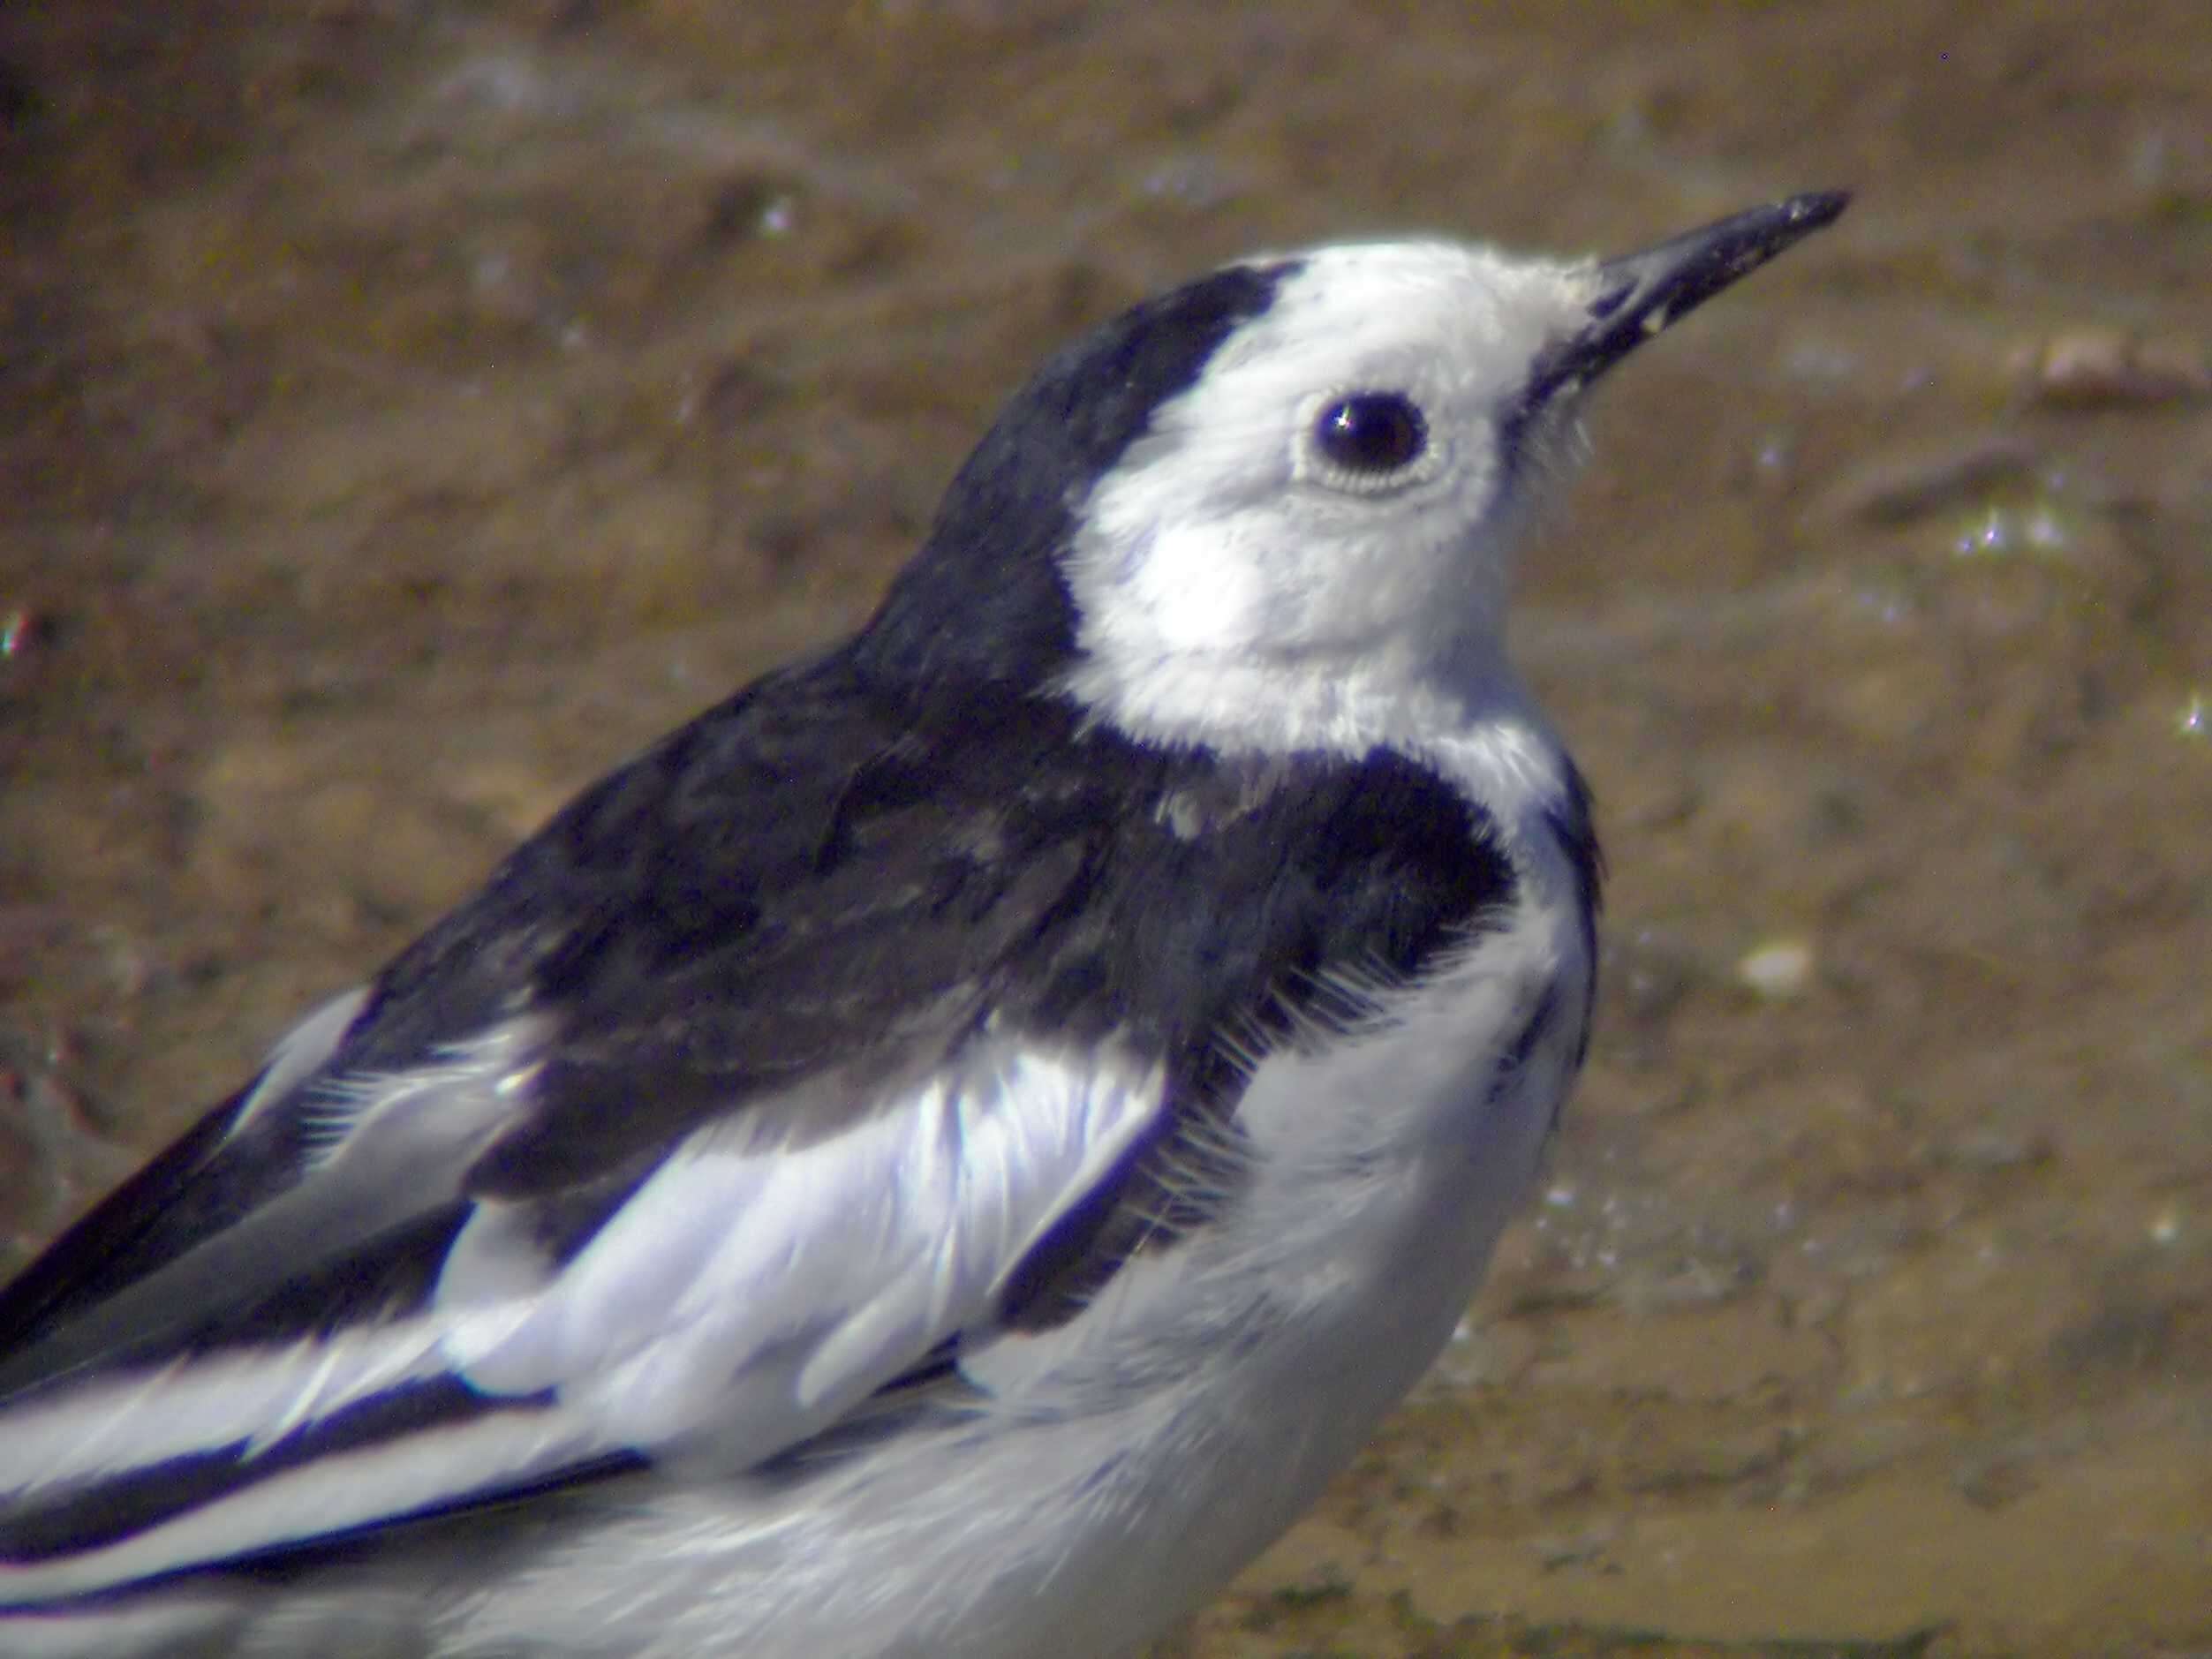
[408, 410]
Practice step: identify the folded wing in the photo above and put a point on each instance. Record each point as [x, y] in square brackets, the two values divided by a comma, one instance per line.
[273, 1385]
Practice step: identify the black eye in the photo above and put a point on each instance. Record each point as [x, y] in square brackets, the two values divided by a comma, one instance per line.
[1371, 433]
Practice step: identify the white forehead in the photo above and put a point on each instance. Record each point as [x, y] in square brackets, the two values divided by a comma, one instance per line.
[1453, 315]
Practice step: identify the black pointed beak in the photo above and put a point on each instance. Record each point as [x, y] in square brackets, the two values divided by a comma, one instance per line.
[1643, 293]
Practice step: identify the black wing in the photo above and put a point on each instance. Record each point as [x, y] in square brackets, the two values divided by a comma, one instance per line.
[795, 916]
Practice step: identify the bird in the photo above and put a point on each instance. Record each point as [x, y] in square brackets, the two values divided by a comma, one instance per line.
[949, 1151]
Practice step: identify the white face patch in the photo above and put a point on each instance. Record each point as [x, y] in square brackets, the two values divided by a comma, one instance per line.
[1196, 602]
[1310, 545]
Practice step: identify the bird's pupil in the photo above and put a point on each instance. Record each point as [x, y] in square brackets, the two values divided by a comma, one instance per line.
[1371, 432]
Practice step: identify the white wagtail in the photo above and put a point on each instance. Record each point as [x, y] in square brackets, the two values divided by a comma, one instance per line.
[947, 1152]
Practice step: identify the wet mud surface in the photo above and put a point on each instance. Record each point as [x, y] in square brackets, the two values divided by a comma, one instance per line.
[407, 411]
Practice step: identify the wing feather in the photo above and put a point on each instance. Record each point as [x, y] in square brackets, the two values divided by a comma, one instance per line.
[746, 1295]
[164, 1209]
[842, 1261]
[367, 1158]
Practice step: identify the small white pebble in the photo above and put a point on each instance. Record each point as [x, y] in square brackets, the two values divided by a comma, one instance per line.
[1778, 970]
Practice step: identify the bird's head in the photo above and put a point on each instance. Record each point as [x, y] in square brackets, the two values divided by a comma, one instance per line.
[1275, 507]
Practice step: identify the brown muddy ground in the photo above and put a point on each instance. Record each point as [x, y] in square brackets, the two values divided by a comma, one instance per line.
[408, 410]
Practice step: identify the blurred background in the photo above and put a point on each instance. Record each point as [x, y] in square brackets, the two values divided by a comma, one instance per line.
[408, 410]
